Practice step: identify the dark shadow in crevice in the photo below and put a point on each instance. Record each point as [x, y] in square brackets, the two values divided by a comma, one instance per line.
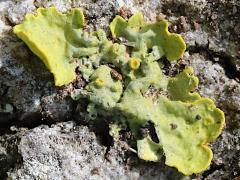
[30, 120]
[152, 132]
[226, 61]
[166, 69]
[79, 112]
[11, 158]
[213, 168]
[100, 127]
[7, 163]
[148, 129]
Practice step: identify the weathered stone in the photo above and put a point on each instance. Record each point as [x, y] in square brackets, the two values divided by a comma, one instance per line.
[67, 151]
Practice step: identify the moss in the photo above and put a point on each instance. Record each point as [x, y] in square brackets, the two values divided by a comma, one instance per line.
[184, 121]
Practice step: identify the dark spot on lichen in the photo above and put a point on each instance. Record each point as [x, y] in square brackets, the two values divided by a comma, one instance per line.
[143, 132]
[173, 126]
[198, 117]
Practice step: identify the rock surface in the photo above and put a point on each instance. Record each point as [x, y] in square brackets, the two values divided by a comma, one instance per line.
[68, 151]
[28, 97]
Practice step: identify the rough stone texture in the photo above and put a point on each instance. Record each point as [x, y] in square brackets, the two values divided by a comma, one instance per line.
[9, 155]
[23, 77]
[17, 9]
[219, 19]
[27, 93]
[67, 151]
[57, 108]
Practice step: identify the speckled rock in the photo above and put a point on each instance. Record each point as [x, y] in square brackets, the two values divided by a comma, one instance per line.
[223, 90]
[9, 156]
[23, 76]
[17, 9]
[56, 108]
[67, 151]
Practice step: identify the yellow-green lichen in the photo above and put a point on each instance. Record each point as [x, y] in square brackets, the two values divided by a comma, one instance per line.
[149, 150]
[103, 90]
[184, 122]
[53, 37]
[134, 63]
[144, 36]
[99, 82]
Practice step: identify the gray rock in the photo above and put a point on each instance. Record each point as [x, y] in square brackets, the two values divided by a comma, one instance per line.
[16, 10]
[196, 38]
[23, 76]
[67, 151]
[56, 108]
[9, 156]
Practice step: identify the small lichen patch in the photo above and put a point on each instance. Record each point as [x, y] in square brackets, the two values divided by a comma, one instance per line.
[99, 82]
[103, 90]
[134, 63]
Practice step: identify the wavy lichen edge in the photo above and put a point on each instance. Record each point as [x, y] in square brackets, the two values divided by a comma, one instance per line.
[184, 121]
[47, 34]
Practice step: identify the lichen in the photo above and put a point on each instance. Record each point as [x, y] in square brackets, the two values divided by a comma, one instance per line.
[103, 90]
[145, 36]
[184, 122]
[56, 39]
